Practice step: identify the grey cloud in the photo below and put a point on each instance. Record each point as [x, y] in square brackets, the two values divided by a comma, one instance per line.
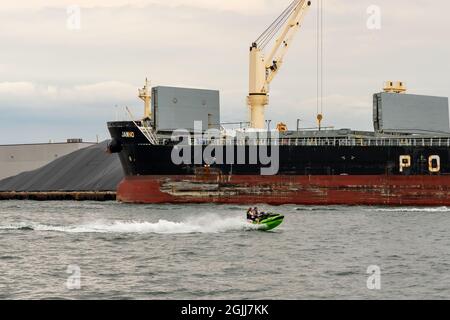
[196, 45]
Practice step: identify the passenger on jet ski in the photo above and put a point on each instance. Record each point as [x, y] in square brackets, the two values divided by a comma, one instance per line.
[250, 215]
[253, 214]
[256, 215]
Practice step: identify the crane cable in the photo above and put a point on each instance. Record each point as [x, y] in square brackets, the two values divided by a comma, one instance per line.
[317, 58]
[276, 23]
[269, 37]
[264, 39]
[320, 58]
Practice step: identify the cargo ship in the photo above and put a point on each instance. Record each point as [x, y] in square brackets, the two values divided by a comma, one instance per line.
[405, 160]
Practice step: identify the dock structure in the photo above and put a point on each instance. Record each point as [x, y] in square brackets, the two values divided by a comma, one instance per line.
[18, 158]
[90, 173]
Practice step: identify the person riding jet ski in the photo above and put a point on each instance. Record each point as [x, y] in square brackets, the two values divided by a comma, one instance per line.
[266, 221]
[260, 215]
[253, 214]
[250, 215]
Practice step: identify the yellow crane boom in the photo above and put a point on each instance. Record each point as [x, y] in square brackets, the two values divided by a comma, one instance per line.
[264, 69]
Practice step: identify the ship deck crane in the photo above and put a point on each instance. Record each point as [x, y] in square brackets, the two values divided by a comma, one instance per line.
[263, 69]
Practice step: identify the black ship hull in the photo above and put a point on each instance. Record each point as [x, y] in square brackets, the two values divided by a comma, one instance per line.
[353, 172]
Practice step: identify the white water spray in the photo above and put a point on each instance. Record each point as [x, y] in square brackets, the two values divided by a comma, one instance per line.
[202, 224]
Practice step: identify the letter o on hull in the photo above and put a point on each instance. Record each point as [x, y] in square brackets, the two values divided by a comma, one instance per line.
[434, 164]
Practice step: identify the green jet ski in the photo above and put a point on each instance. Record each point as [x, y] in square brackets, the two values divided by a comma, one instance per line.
[268, 221]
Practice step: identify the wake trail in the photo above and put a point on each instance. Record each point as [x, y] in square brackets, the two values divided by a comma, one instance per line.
[202, 224]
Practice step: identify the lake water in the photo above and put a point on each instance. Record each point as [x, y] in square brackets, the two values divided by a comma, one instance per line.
[89, 250]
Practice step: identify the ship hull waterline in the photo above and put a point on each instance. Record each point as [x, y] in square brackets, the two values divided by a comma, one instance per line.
[377, 190]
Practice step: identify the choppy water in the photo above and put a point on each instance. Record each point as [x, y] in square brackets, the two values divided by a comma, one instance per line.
[209, 252]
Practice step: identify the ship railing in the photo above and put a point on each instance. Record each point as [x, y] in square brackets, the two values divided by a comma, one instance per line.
[149, 134]
[146, 130]
[331, 142]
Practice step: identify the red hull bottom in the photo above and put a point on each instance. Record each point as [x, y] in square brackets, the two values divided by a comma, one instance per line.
[279, 190]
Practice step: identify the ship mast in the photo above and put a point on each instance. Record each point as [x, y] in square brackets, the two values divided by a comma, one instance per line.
[394, 87]
[263, 69]
[145, 95]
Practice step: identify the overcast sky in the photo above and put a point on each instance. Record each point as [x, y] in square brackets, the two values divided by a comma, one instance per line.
[58, 83]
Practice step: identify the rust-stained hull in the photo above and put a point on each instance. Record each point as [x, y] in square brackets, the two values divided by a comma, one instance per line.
[423, 190]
